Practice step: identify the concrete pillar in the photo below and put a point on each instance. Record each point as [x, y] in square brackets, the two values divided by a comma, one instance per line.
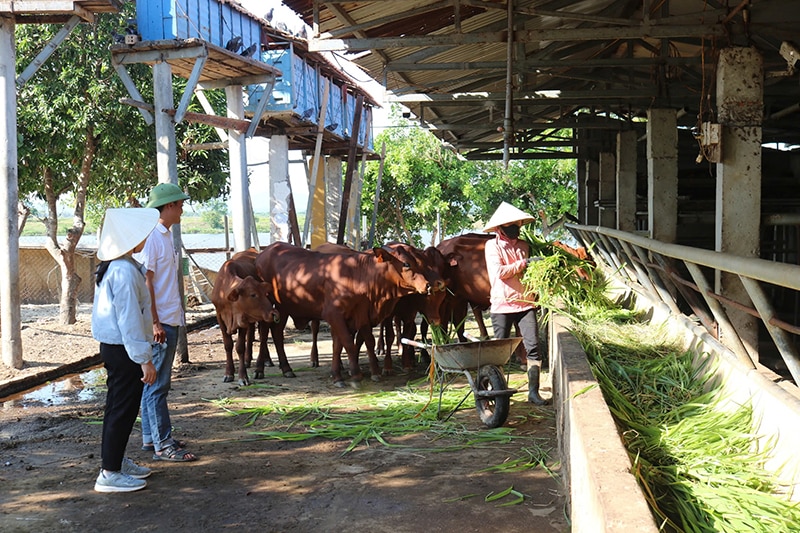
[607, 192]
[333, 195]
[317, 218]
[592, 187]
[740, 96]
[280, 189]
[626, 181]
[237, 156]
[662, 174]
[167, 169]
[10, 316]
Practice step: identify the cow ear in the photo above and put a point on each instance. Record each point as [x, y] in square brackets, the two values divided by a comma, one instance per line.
[233, 293]
[453, 258]
[380, 254]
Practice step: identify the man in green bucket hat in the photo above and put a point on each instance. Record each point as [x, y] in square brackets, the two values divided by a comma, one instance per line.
[160, 258]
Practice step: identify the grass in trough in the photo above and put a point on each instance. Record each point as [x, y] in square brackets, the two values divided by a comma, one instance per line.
[699, 463]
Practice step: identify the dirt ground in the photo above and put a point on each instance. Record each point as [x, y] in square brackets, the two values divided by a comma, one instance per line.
[50, 446]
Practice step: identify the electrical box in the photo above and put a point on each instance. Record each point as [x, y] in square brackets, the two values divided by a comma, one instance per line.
[711, 141]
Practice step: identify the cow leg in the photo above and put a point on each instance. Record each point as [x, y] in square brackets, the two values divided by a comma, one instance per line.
[387, 333]
[369, 341]
[314, 349]
[409, 332]
[520, 352]
[227, 342]
[423, 330]
[380, 348]
[263, 350]
[248, 347]
[340, 333]
[459, 318]
[276, 328]
[336, 363]
[241, 341]
[481, 324]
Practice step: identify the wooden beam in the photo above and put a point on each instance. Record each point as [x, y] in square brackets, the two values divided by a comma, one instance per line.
[524, 36]
[351, 167]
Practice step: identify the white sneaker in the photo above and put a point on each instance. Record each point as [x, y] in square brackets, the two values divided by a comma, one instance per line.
[134, 470]
[118, 482]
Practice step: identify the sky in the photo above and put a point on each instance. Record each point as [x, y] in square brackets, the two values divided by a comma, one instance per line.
[258, 148]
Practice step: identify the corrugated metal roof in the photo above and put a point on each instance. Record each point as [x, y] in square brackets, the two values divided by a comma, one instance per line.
[603, 57]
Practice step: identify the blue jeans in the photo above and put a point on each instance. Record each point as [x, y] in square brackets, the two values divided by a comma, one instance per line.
[156, 425]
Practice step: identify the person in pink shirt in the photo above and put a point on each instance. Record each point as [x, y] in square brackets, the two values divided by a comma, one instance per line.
[506, 259]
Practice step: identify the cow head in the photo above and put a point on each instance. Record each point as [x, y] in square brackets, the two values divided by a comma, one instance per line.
[410, 265]
[249, 302]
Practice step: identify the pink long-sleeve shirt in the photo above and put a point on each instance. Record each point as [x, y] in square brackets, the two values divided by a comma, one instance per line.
[505, 263]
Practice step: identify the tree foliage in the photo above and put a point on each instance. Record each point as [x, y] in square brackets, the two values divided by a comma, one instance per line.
[77, 141]
[422, 178]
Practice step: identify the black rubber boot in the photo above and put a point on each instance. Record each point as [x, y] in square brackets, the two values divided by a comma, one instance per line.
[534, 368]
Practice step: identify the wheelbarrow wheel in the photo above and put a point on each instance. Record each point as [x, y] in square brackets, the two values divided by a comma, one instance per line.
[492, 410]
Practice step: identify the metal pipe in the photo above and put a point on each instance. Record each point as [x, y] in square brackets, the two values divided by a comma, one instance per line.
[782, 274]
[508, 123]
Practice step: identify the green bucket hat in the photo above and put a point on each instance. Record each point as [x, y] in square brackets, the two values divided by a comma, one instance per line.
[165, 193]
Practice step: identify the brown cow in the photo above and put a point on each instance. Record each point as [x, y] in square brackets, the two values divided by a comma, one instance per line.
[432, 263]
[352, 292]
[469, 280]
[241, 302]
[408, 307]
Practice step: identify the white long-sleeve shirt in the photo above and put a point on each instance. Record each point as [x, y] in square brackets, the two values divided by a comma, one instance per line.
[121, 311]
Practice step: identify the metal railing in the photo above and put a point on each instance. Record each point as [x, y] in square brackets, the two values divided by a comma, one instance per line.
[662, 269]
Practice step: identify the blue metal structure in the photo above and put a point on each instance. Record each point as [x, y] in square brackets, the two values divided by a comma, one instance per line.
[218, 22]
[296, 97]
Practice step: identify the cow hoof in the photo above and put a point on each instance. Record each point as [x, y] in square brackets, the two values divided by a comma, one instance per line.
[339, 384]
[388, 372]
[375, 377]
[244, 383]
[289, 374]
[355, 384]
[259, 375]
[315, 364]
[269, 363]
[227, 379]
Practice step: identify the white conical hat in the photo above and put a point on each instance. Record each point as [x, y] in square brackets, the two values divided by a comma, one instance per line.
[507, 214]
[123, 229]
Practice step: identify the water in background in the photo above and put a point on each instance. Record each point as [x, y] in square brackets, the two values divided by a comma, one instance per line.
[191, 241]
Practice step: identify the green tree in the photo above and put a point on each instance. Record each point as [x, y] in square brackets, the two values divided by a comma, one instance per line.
[214, 213]
[75, 140]
[422, 177]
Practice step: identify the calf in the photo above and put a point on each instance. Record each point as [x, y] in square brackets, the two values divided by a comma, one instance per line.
[351, 291]
[241, 303]
[408, 307]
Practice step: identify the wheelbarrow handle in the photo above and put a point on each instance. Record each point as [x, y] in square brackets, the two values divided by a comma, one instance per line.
[414, 343]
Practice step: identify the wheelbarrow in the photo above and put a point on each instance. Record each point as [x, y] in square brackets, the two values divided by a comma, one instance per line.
[484, 357]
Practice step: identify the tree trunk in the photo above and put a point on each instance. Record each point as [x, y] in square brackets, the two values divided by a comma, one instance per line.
[23, 212]
[65, 255]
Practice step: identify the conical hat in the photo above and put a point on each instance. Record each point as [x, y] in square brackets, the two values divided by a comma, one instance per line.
[507, 214]
[123, 229]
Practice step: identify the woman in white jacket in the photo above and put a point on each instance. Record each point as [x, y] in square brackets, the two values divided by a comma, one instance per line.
[122, 323]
